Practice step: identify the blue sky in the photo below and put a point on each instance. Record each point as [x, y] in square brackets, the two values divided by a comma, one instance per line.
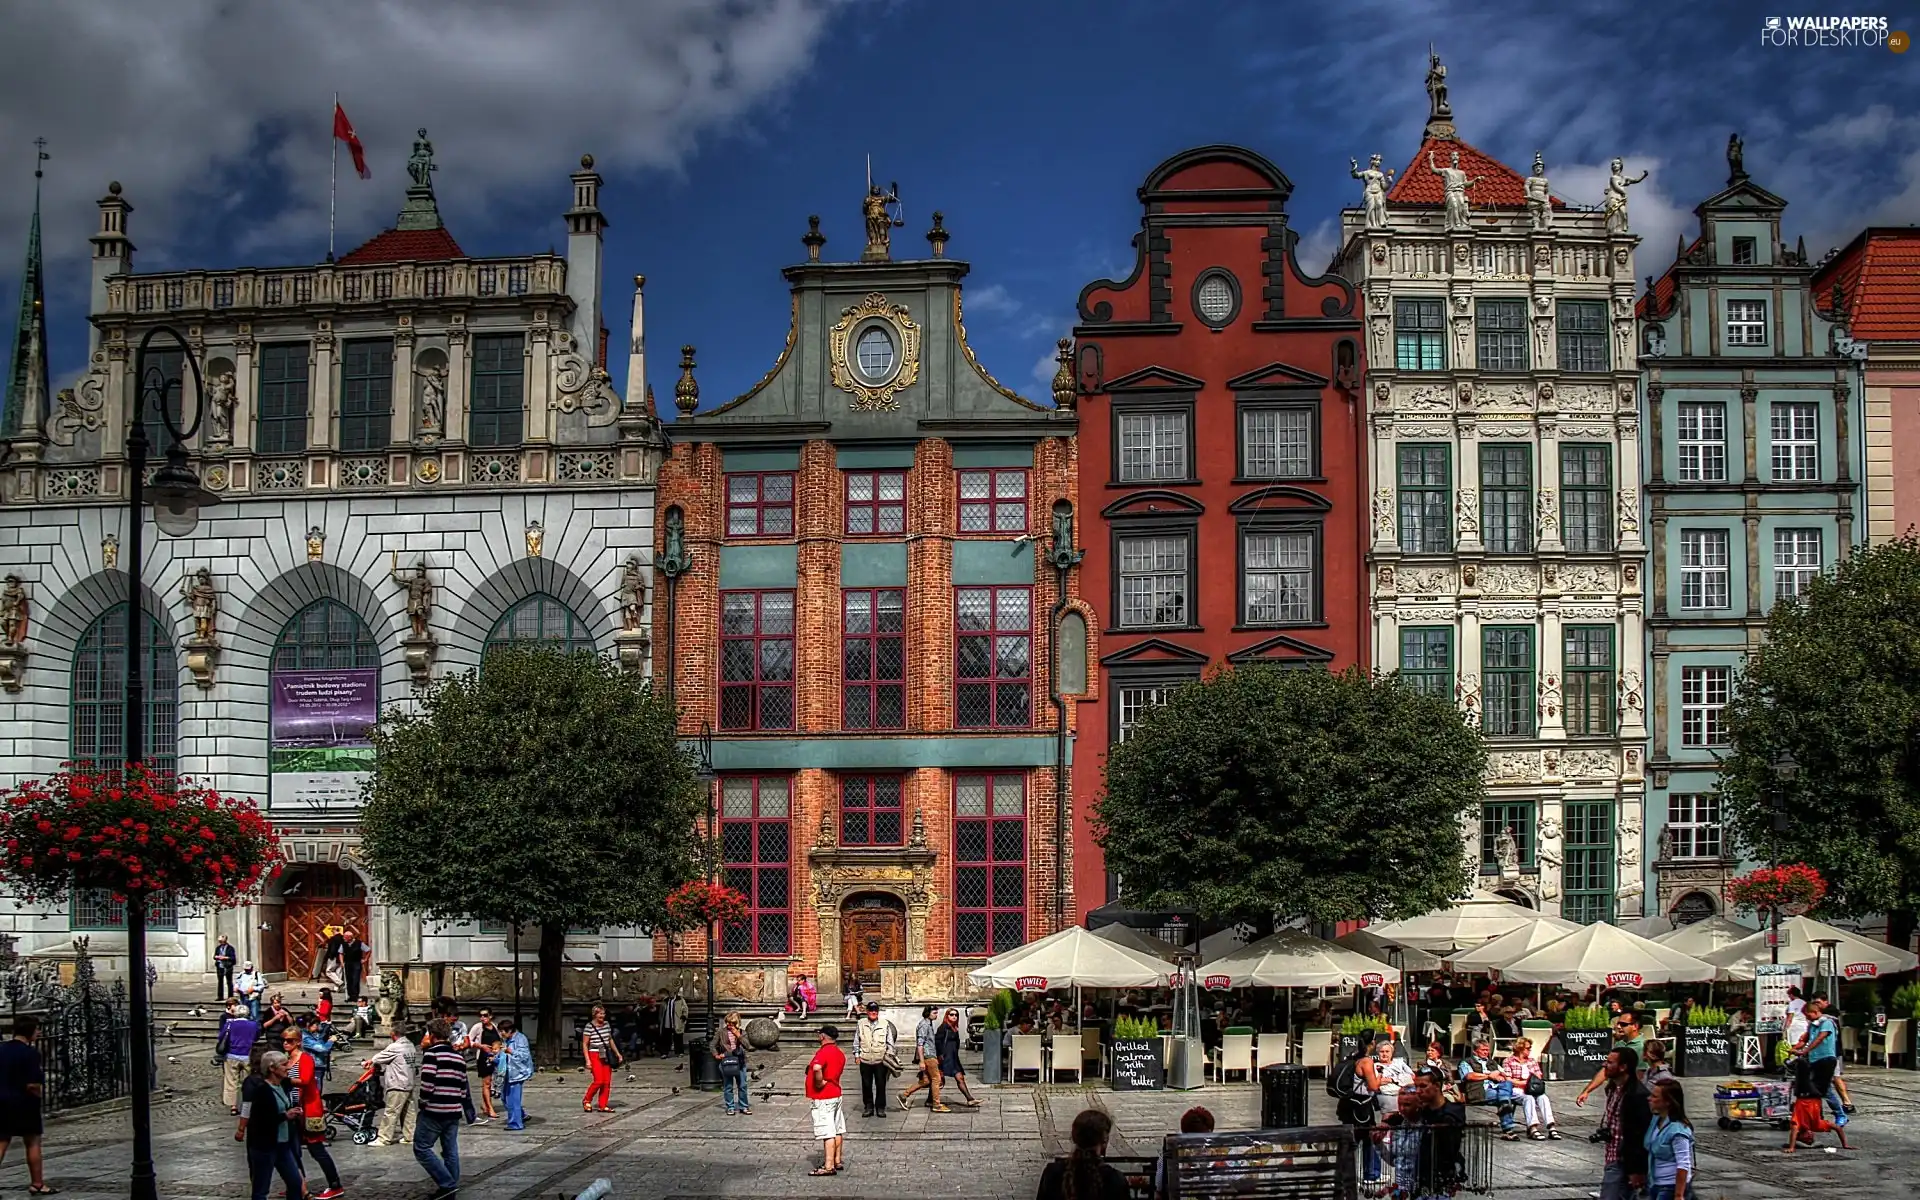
[720, 127]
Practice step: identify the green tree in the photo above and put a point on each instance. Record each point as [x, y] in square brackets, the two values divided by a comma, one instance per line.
[1837, 685]
[547, 789]
[1257, 793]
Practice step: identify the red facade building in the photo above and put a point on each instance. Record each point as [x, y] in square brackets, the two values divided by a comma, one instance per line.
[1222, 449]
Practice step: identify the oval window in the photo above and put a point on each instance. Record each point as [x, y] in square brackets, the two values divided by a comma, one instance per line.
[874, 353]
[1215, 299]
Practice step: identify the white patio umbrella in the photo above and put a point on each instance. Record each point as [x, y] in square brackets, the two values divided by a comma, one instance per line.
[1127, 935]
[1857, 957]
[1463, 926]
[1292, 958]
[1606, 956]
[1702, 938]
[1366, 942]
[1230, 940]
[1073, 957]
[1513, 945]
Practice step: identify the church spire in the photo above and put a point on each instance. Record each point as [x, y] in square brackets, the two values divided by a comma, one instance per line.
[1439, 112]
[27, 388]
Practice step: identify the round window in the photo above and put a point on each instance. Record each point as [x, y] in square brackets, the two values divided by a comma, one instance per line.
[874, 353]
[1215, 299]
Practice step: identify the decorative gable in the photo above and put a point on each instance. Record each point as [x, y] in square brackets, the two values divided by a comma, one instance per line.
[1154, 379]
[1282, 651]
[1152, 504]
[1279, 376]
[1155, 652]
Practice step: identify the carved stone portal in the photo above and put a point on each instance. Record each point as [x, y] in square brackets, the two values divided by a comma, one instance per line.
[906, 875]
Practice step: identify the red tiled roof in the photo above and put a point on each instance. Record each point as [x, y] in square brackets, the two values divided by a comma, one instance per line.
[1660, 296]
[1879, 275]
[405, 245]
[1502, 187]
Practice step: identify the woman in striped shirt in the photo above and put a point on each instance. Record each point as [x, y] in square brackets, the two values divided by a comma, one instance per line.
[596, 1046]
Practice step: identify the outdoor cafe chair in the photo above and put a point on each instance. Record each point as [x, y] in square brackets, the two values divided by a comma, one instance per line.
[1029, 1054]
[1091, 1051]
[1063, 1055]
[1893, 1041]
[1235, 1053]
[1316, 1048]
[1457, 1034]
[1270, 1048]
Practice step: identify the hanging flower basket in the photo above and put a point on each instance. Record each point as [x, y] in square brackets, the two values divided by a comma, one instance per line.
[697, 904]
[1790, 890]
[133, 832]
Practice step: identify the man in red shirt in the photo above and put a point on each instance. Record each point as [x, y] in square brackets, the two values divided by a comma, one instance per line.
[823, 1092]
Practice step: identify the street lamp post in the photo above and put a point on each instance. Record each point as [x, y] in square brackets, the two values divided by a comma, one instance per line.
[1785, 770]
[177, 497]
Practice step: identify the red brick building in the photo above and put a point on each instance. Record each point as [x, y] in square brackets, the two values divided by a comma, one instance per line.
[1222, 489]
[859, 598]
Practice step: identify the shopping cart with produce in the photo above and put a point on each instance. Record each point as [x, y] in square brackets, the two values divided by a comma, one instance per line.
[1739, 1101]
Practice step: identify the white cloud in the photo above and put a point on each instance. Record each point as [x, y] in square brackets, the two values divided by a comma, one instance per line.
[1315, 248]
[992, 300]
[1651, 212]
[192, 103]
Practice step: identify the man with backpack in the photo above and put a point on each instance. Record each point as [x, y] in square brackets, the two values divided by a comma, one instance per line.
[1353, 1083]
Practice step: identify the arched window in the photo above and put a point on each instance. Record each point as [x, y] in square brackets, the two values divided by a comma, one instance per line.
[540, 620]
[325, 635]
[325, 695]
[98, 734]
[1694, 906]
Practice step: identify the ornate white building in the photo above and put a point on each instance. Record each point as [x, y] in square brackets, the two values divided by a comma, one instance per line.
[418, 453]
[1507, 553]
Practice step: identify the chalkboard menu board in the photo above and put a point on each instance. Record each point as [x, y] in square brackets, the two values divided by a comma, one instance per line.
[1137, 1066]
[1586, 1050]
[1706, 1051]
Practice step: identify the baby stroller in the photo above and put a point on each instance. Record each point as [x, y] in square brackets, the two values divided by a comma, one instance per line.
[357, 1110]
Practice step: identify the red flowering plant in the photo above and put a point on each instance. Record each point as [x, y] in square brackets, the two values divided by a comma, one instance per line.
[693, 905]
[1791, 889]
[134, 832]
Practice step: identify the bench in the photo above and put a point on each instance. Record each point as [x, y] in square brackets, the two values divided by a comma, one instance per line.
[1314, 1161]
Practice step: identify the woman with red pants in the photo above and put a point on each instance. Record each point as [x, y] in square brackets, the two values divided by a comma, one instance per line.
[596, 1046]
[309, 1128]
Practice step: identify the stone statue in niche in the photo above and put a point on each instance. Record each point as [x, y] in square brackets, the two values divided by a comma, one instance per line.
[197, 590]
[1455, 183]
[536, 536]
[633, 595]
[109, 552]
[316, 544]
[1506, 851]
[1614, 202]
[1539, 198]
[220, 405]
[1374, 183]
[419, 595]
[433, 399]
[14, 611]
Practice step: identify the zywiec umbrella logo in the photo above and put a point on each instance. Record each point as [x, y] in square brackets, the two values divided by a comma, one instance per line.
[1176, 980]
[1218, 983]
[1861, 970]
[1373, 979]
[1625, 979]
[1030, 983]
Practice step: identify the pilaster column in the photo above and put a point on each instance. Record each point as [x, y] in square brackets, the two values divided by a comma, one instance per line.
[456, 421]
[1552, 711]
[400, 425]
[1547, 481]
[246, 386]
[320, 389]
[539, 427]
[1466, 504]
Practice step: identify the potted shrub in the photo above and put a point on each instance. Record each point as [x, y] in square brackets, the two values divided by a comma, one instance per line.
[1138, 1064]
[1587, 1037]
[1358, 1032]
[992, 1067]
[1705, 1043]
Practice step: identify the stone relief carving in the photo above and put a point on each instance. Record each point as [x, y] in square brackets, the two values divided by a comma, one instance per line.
[581, 386]
[1629, 692]
[1550, 696]
[1546, 855]
[1434, 582]
[1467, 694]
[1383, 515]
[1582, 397]
[1580, 612]
[82, 408]
[1466, 510]
[1549, 510]
[1383, 578]
[1508, 579]
[1542, 337]
[1550, 830]
[1505, 429]
[1628, 402]
[1589, 764]
[1513, 767]
[1432, 398]
[1510, 398]
[1629, 512]
[1583, 578]
[1421, 432]
[1510, 612]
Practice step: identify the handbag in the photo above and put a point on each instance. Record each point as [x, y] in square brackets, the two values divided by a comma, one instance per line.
[1536, 1085]
[316, 1124]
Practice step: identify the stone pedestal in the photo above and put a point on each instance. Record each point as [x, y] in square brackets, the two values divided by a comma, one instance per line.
[203, 655]
[13, 667]
[630, 647]
[419, 650]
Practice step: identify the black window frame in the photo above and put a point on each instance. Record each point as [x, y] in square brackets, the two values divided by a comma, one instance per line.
[1314, 527]
[1182, 405]
[282, 399]
[491, 422]
[1119, 529]
[366, 396]
[1752, 247]
[1246, 405]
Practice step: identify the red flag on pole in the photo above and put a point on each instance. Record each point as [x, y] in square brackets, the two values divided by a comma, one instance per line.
[343, 131]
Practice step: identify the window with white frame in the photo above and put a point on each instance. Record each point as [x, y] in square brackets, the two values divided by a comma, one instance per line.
[1153, 445]
[1703, 568]
[1153, 580]
[1796, 560]
[1703, 705]
[1276, 443]
[1795, 441]
[1136, 699]
[1693, 825]
[1746, 322]
[1278, 567]
[1703, 442]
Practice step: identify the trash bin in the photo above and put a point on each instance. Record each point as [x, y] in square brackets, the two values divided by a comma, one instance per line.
[1283, 1096]
[703, 1069]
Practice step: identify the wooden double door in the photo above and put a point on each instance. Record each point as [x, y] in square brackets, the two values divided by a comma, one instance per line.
[873, 930]
[318, 898]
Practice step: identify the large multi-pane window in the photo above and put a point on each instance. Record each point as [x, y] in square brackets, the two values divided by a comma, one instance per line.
[1153, 445]
[1702, 442]
[755, 848]
[993, 688]
[1795, 441]
[1277, 576]
[992, 500]
[325, 636]
[281, 410]
[1693, 825]
[497, 404]
[1276, 443]
[1703, 568]
[1506, 498]
[1588, 662]
[162, 378]
[1426, 499]
[1703, 705]
[99, 909]
[366, 394]
[1589, 862]
[1426, 660]
[1419, 335]
[1506, 680]
[759, 504]
[756, 660]
[1513, 817]
[989, 863]
[539, 620]
[1501, 330]
[1583, 335]
[1586, 497]
[876, 502]
[99, 695]
[1796, 561]
[1155, 580]
[1746, 322]
[870, 810]
[1133, 700]
[873, 658]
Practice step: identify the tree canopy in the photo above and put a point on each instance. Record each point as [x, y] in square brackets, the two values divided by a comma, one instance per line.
[545, 789]
[1258, 793]
[1837, 685]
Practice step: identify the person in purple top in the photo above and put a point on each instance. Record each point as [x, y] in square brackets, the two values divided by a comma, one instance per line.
[234, 1051]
